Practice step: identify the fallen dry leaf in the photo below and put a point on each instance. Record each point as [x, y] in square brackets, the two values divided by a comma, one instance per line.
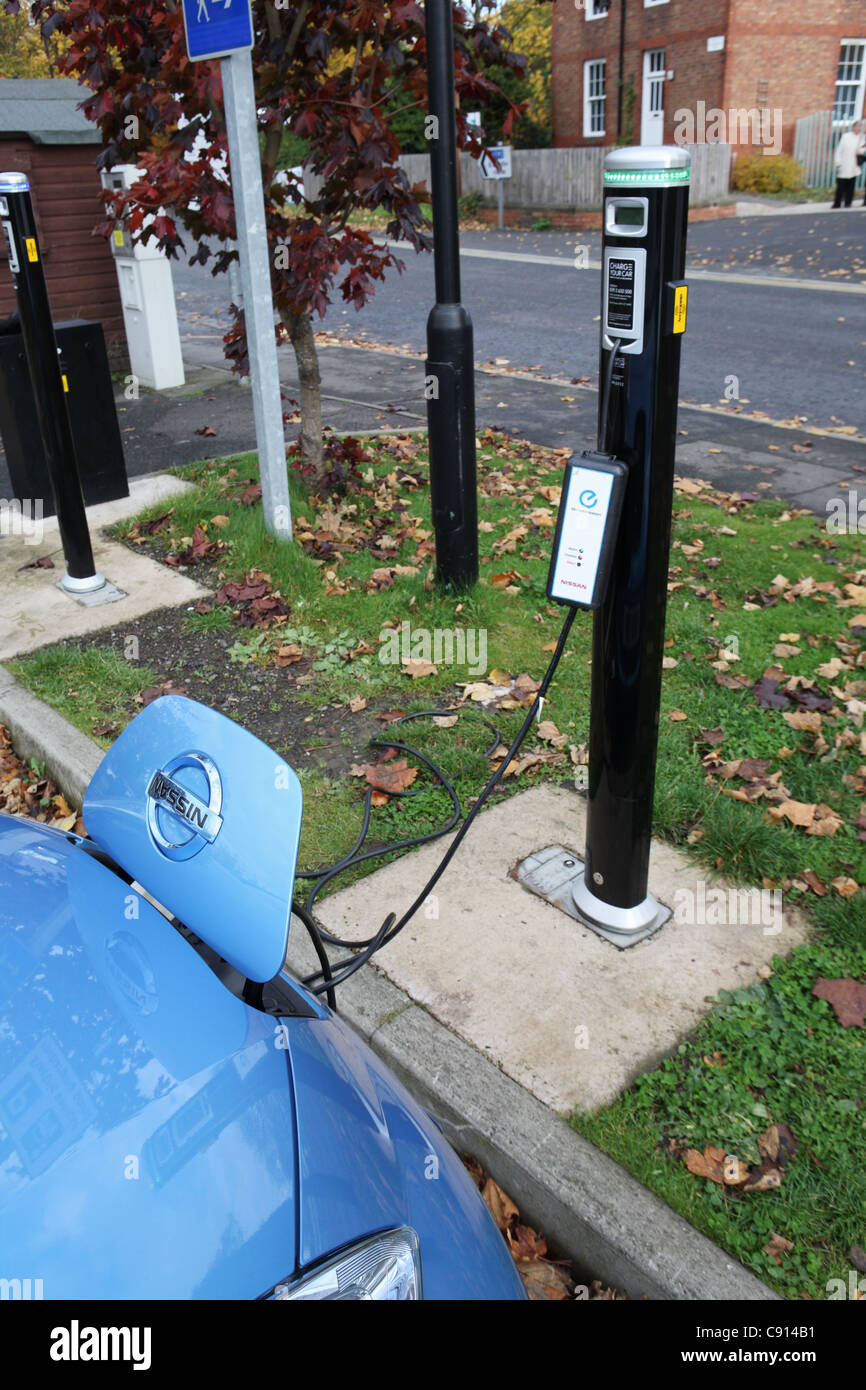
[810, 720]
[709, 1164]
[545, 1282]
[502, 1209]
[288, 654]
[797, 812]
[831, 669]
[768, 695]
[777, 1144]
[417, 669]
[525, 1244]
[847, 999]
[846, 887]
[548, 732]
[599, 1291]
[777, 1245]
[764, 1179]
[388, 777]
[817, 885]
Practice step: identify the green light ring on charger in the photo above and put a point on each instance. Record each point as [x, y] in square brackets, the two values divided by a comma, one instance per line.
[647, 176]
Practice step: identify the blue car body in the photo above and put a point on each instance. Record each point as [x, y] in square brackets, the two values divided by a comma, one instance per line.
[161, 1137]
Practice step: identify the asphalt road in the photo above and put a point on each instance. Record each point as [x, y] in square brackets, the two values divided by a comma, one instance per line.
[779, 303]
[776, 301]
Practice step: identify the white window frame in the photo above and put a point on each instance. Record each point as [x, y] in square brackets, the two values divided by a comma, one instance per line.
[648, 3]
[861, 85]
[590, 12]
[590, 101]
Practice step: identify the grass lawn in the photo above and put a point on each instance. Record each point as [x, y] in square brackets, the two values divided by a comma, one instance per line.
[761, 770]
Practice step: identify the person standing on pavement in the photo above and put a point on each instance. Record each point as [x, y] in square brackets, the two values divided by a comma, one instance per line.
[847, 166]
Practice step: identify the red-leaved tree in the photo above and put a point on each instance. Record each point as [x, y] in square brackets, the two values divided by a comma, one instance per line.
[328, 71]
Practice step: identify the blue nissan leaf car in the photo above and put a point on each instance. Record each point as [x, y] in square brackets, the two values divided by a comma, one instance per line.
[179, 1117]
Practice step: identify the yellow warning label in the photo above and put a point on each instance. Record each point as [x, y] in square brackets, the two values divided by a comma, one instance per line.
[65, 382]
[118, 236]
[681, 296]
[32, 253]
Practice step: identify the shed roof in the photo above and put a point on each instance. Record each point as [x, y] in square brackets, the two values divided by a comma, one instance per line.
[45, 109]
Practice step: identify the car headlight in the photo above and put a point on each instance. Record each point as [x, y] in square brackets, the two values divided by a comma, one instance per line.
[386, 1268]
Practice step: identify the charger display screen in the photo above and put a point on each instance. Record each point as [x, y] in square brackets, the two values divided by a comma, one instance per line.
[629, 216]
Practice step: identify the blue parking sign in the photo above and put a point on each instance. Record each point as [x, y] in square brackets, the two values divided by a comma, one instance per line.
[215, 28]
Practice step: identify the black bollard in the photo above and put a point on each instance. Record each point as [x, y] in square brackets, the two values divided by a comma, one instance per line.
[40, 348]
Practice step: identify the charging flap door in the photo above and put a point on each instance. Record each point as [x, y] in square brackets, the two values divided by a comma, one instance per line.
[207, 819]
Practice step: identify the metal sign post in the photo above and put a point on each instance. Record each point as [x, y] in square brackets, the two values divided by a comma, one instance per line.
[49, 385]
[495, 163]
[643, 317]
[223, 29]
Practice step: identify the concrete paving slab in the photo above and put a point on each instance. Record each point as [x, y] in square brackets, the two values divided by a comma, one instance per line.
[560, 1010]
[35, 612]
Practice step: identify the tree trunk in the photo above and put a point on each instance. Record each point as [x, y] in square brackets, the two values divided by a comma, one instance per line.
[300, 330]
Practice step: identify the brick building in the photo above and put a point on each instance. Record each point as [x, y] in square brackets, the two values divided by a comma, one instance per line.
[623, 69]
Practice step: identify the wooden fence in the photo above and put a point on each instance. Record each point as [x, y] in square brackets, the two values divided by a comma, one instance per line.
[567, 179]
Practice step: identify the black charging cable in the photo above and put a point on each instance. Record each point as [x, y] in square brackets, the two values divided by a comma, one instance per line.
[357, 855]
[603, 423]
[315, 935]
[340, 970]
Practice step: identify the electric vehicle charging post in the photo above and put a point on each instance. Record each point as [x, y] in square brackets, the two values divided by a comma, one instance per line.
[48, 384]
[449, 369]
[643, 317]
[610, 556]
[646, 198]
